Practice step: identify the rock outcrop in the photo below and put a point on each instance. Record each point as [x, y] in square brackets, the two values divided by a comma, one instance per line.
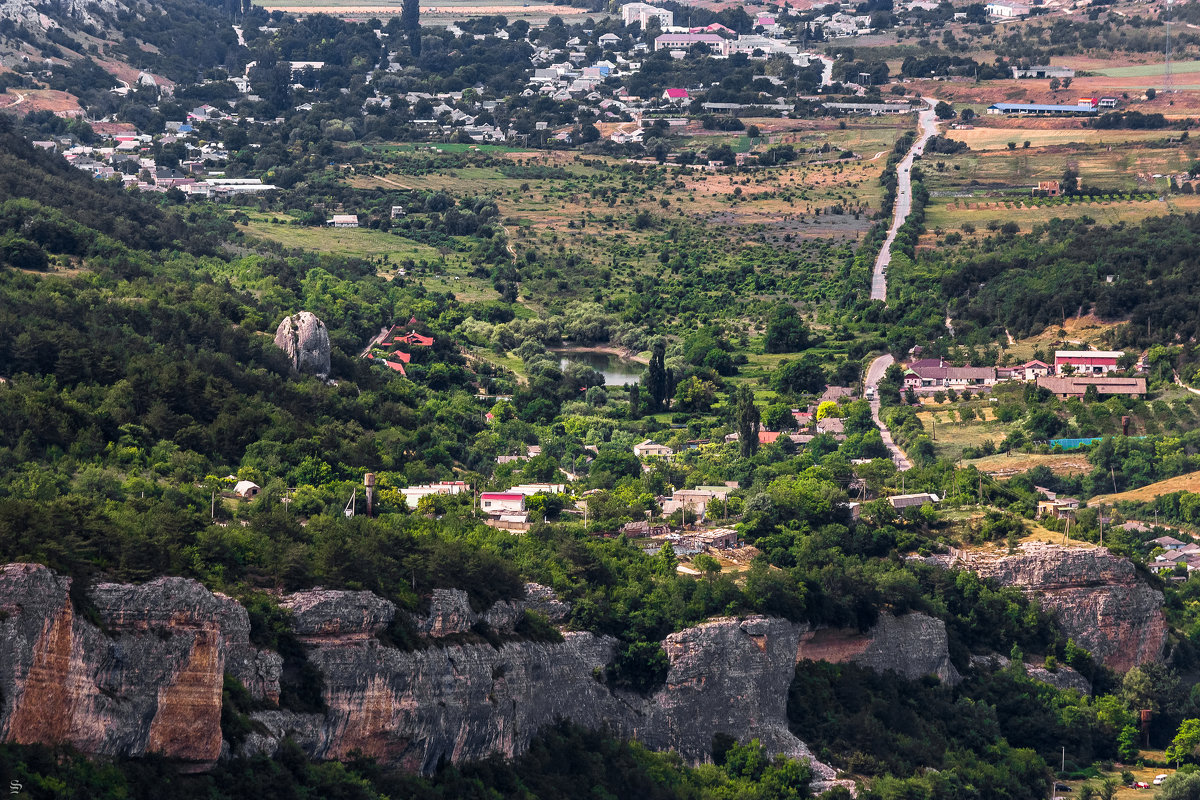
[147, 678]
[306, 341]
[1099, 599]
[913, 645]
[149, 682]
[1062, 677]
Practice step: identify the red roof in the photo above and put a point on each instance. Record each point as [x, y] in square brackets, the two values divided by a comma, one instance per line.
[412, 337]
[677, 94]
[501, 496]
[405, 357]
[767, 437]
[398, 367]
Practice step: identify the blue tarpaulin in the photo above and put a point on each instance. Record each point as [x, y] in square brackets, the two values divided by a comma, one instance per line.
[1074, 444]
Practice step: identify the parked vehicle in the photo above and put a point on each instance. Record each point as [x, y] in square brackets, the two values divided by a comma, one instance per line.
[1158, 779]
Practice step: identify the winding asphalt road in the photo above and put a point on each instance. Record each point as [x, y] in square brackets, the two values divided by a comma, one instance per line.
[874, 376]
[927, 124]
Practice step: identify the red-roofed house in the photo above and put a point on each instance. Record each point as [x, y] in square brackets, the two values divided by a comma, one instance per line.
[768, 437]
[501, 502]
[413, 338]
[676, 95]
[1087, 362]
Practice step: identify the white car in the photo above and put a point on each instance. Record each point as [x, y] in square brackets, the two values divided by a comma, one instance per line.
[1158, 779]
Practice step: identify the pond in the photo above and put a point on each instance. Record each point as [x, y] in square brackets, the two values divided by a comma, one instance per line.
[617, 371]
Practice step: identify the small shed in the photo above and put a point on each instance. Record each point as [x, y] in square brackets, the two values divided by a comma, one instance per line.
[246, 489]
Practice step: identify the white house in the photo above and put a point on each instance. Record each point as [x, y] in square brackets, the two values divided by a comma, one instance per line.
[344, 221]
[530, 489]
[413, 494]
[246, 489]
[651, 449]
[502, 502]
[1005, 9]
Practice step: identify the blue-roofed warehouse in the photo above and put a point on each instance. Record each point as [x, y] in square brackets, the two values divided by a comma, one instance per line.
[1040, 108]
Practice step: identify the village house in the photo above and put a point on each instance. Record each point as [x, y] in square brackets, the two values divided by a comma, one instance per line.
[344, 221]
[685, 41]
[530, 489]
[676, 96]
[903, 501]
[1043, 72]
[1005, 9]
[932, 373]
[1105, 385]
[498, 503]
[413, 494]
[1057, 507]
[651, 449]
[1167, 542]
[1048, 189]
[718, 538]
[246, 489]
[1086, 362]
[832, 425]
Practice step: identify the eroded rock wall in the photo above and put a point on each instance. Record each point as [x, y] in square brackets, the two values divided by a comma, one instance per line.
[913, 645]
[149, 682]
[1099, 599]
[148, 678]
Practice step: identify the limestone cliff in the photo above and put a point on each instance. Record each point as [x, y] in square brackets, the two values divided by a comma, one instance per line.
[148, 677]
[913, 645]
[149, 683]
[1099, 599]
[306, 341]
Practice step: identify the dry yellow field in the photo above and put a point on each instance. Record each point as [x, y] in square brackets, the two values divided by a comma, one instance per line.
[988, 138]
[1181, 483]
[1005, 466]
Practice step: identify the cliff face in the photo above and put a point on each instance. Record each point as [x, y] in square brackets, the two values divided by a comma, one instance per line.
[914, 645]
[1099, 599]
[148, 678]
[149, 683]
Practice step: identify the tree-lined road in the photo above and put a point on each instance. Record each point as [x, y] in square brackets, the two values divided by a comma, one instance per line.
[927, 127]
[875, 374]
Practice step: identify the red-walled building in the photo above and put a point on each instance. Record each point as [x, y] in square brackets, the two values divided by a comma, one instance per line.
[1087, 362]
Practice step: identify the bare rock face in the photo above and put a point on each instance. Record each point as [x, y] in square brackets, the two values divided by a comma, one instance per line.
[151, 680]
[149, 683]
[338, 614]
[306, 341]
[32, 14]
[450, 613]
[913, 645]
[727, 676]
[1063, 677]
[542, 600]
[1099, 599]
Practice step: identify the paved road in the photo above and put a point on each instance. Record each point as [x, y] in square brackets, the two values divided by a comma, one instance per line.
[874, 376]
[927, 124]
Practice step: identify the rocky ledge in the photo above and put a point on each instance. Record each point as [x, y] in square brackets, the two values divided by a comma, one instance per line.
[1099, 599]
[147, 677]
